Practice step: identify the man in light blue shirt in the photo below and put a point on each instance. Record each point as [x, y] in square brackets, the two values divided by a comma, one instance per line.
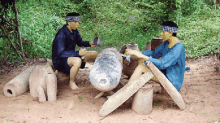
[169, 57]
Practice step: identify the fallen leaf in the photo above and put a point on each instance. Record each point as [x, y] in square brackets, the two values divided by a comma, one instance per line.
[17, 99]
[80, 97]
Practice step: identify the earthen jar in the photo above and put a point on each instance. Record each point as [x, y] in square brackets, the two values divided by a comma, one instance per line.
[155, 42]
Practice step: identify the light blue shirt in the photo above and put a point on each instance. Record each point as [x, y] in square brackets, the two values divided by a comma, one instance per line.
[172, 62]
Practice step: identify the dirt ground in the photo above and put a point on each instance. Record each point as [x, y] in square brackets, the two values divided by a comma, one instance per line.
[200, 91]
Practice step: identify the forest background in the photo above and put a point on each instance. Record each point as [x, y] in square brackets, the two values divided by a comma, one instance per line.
[115, 22]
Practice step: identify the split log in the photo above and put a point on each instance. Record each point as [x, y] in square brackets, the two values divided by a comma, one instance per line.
[143, 99]
[43, 83]
[51, 86]
[124, 94]
[168, 86]
[19, 84]
[106, 71]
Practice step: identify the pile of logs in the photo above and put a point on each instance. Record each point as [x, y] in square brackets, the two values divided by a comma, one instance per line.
[40, 79]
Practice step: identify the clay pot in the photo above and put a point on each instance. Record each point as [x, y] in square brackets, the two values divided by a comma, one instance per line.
[155, 42]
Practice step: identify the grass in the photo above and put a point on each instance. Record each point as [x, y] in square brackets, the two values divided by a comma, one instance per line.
[117, 23]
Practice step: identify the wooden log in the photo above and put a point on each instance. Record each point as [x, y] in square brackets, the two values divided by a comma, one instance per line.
[39, 79]
[19, 84]
[124, 94]
[41, 94]
[143, 99]
[168, 86]
[51, 81]
[106, 71]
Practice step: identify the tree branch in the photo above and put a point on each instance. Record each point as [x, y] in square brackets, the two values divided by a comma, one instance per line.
[18, 28]
[3, 29]
[8, 21]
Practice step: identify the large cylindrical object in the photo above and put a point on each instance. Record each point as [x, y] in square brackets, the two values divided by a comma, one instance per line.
[155, 42]
[106, 71]
[19, 84]
[143, 99]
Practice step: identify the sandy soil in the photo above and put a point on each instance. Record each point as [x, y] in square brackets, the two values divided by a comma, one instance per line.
[200, 91]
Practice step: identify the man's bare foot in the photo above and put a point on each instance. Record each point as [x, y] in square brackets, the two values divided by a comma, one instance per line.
[73, 85]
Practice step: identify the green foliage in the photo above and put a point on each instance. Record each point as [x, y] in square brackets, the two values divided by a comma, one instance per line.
[120, 22]
[201, 36]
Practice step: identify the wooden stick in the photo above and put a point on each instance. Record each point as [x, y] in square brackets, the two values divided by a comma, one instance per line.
[18, 28]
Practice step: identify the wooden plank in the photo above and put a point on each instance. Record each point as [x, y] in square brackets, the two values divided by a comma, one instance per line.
[168, 86]
[124, 94]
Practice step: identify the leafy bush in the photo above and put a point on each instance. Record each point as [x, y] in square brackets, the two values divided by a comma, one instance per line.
[120, 22]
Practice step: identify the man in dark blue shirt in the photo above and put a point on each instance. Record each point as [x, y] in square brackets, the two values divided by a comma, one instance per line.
[64, 56]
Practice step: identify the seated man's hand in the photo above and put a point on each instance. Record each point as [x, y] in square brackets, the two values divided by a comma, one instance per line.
[136, 53]
[82, 52]
[92, 44]
[131, 52]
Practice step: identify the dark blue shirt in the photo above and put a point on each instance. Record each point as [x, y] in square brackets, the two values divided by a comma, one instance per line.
[172, 62]
[64, 45]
